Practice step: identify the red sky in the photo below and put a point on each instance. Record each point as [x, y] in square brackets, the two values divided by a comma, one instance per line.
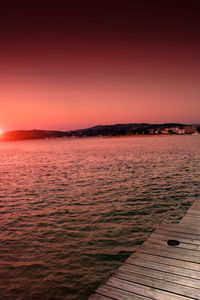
[74, 66]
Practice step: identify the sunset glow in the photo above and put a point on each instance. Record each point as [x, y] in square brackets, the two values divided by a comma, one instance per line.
[65, 73]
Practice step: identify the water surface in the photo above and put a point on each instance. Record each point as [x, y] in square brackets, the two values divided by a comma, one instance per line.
[72, 210]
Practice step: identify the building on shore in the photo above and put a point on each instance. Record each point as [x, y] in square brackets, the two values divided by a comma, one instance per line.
[190, 129]
[186, 129]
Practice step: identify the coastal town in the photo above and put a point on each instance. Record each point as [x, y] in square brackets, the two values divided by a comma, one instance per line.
[188, 129]
[136, 129]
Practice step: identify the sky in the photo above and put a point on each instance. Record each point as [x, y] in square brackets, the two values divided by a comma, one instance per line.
[75, 64]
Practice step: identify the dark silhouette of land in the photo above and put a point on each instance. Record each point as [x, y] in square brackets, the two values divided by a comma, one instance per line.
[31, 134]
[104, 130]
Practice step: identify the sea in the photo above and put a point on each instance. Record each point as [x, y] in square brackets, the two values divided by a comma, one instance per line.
[72, 210]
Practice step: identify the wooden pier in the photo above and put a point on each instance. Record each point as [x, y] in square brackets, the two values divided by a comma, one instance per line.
[160, 271]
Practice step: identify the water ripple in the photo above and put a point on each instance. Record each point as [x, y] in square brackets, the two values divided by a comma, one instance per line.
[71, 211]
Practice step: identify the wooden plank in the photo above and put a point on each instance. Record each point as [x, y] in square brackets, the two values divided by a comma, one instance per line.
[192, 213]
[174, 255]
[115, 292]
[192, 229]
[159, 284]
[192, 218]
[161, 240]
[182, 228]
[144, 290]
[159, 274]
[164, 267]
[181, 234]
[175, 236]
[190, 221]
[184, 243]
[175, 249]
[166, 260]
[98, 297]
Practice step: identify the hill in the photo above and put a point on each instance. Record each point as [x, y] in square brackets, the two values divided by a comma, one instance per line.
[31, 134]
[115, 129]
[124, 129]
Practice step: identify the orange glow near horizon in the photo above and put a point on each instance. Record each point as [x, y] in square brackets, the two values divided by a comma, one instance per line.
[46, 103]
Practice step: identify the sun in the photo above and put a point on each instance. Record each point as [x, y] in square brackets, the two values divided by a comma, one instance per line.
[1, 131]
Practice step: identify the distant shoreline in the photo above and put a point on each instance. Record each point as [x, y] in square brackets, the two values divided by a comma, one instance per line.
[99, 137]
[116, 130]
